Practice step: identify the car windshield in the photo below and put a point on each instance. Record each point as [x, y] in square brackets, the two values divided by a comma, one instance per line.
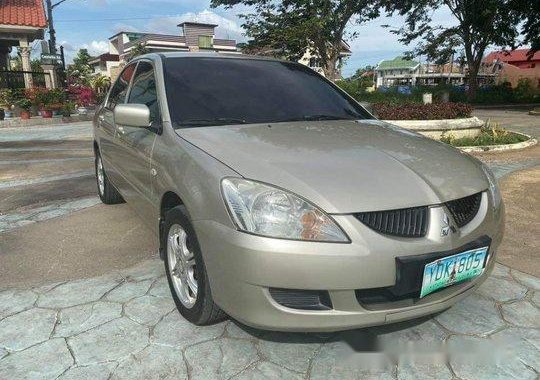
[205, 91]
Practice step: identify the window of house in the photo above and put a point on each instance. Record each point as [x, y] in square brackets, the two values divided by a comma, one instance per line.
[143, 89]
[205, 42]
[119, 90]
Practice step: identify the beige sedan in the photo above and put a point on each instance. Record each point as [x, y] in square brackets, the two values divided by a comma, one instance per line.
[278, 200]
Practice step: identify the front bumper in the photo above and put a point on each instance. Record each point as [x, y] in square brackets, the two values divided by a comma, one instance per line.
[243, 267]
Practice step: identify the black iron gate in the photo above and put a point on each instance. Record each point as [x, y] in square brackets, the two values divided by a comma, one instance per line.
[15, 79]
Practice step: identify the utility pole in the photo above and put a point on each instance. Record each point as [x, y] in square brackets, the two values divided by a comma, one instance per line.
[52, 33]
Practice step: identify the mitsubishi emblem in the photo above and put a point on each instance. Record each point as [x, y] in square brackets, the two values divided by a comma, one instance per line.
[445, 230]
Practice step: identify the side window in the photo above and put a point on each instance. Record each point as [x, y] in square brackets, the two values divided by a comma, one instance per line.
[143, 90]
[119, 90]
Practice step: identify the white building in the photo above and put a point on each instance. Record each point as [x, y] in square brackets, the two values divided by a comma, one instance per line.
[104, 63]
[397, 71]
[400, 71]
[194, 36]
[314, 62]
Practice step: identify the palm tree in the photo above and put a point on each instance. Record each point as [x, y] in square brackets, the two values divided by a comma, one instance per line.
[100, 83]
[138, 49]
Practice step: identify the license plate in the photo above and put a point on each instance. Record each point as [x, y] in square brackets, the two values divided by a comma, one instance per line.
[453, 269]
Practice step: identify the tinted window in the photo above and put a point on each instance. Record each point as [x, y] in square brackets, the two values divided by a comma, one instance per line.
[143, 89]
[213, 91]
[119, 90]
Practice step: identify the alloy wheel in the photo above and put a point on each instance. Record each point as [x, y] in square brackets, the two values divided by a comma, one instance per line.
[182, 266]
[100, 176]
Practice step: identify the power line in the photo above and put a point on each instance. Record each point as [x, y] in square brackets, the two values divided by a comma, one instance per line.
[116, 19]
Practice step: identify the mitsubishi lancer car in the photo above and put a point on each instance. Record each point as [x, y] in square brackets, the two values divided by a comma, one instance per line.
[279, 201]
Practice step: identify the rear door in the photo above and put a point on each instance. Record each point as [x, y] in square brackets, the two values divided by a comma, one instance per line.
[106, 126]
[135, 144]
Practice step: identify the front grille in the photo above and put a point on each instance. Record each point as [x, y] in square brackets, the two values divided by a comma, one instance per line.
[407, 222]
[464, 209]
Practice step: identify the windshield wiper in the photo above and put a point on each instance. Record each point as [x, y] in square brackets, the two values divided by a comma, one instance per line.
[323, 117]
[208, 122]
[318, 117]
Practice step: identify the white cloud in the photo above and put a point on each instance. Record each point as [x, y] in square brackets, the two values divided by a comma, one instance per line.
[96, 47]
[67, 46]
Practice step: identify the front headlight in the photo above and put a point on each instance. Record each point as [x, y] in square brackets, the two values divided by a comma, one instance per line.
[268, 211]
[493, 186]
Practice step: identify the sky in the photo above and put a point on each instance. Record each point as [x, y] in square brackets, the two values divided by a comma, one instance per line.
[89, 23]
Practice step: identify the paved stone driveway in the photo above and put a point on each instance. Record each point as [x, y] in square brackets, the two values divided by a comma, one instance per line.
[124, 325]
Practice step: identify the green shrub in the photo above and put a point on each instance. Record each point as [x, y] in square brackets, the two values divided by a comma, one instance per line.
[525, 92]
[502, 93]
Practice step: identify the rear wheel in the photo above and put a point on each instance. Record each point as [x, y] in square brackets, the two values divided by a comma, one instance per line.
[106, 191]
[185, 270]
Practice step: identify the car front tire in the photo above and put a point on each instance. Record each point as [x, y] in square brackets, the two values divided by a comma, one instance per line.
[186, 272]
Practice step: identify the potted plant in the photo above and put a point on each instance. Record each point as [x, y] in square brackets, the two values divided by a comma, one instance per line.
[67, 109]
[25, 105]
[44, 101]
[6, 103]
[56, 98]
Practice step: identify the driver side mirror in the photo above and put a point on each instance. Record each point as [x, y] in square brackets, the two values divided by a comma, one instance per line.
[132, 115]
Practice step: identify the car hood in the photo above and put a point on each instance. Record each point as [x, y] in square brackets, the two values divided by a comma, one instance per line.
[345, 166]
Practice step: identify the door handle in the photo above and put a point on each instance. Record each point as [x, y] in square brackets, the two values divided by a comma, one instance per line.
[121, 129]
[101, 117]
[153, 172]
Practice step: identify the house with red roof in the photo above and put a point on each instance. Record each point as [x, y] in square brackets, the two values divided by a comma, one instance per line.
[518, 58]
[21, 22]
[514, 66]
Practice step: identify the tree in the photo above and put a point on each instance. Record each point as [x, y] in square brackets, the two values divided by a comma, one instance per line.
[290, 27]
[138, 49]
[16, 63]
[363, 72]
[80, 71]
[100, 83]
[82, 59]
[530, 27]
[478, 24]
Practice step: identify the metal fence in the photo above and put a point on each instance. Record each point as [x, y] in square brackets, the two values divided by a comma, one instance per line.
[15, 79]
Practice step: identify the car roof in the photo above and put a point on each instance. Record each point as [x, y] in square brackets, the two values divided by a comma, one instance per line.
[187, 55]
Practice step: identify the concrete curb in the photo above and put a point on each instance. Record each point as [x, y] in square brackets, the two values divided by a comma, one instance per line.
[500, 148]
[439, 125]
[38, 121]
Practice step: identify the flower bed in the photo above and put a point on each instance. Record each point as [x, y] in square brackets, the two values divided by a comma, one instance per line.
[414, 111]
[488, 136]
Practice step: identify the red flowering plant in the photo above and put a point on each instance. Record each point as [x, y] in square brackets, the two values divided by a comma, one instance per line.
[415, 111]
[82, 95]
[38, 96]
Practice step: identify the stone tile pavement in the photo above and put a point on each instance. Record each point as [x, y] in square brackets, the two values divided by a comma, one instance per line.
[31, 215]
[125, 325]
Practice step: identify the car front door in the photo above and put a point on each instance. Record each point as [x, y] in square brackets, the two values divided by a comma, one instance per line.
[135, 144]
[107, 128]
